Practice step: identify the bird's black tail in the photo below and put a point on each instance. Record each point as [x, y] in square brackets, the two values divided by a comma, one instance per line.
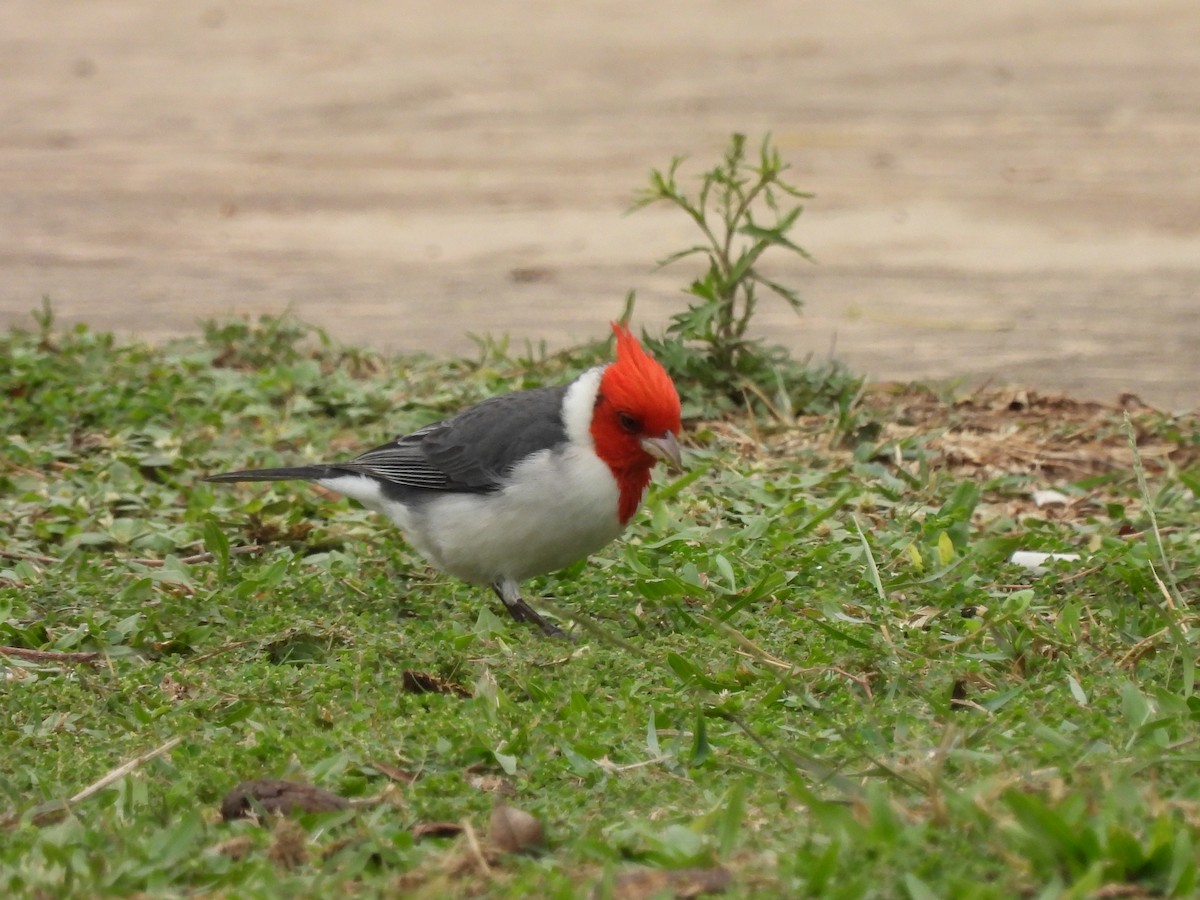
[291, 473]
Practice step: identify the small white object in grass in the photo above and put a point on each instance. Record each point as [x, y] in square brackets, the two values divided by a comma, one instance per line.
[1049, 497]
[1035, 562]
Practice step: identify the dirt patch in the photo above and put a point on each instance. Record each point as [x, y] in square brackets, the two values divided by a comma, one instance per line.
[1006, 192]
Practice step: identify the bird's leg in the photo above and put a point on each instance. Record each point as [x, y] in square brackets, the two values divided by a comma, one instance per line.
[510, 596]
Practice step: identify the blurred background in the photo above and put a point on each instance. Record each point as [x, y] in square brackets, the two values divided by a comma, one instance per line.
[1006, 193]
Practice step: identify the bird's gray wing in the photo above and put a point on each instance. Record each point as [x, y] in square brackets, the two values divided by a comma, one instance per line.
[473, 451]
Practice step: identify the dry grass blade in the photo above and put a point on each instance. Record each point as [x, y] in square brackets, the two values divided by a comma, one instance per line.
[1144, 489]
[475, 850]
[124, 769]
[872, 568]
[1172, 598]
[197, 558]
[50, 813]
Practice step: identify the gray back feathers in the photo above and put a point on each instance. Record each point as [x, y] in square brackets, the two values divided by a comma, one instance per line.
[470, 452]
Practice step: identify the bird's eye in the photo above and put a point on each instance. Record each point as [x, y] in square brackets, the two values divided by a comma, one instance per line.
[629, 423]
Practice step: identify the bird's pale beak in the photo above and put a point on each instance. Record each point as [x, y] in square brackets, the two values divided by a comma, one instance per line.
[665, 448]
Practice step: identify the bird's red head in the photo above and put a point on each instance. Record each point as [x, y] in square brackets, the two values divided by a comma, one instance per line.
[636, 419]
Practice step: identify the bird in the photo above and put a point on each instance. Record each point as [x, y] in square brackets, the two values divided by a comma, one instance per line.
[521, 484]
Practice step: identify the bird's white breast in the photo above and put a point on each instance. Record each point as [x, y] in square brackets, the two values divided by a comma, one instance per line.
[559, 507]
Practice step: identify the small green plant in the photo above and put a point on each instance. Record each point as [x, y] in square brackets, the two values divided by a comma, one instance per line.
[743, 208]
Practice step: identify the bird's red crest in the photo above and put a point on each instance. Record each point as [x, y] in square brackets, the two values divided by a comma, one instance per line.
[637, 400]
[638, 382]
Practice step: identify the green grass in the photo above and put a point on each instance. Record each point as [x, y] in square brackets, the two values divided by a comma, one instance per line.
[809, 662]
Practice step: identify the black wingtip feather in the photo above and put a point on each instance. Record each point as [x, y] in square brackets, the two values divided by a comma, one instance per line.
[291, 473]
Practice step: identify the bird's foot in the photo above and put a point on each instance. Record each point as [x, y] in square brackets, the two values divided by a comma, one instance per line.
[523, 612]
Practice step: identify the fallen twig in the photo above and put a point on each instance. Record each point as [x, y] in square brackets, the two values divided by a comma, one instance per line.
[152, 563]
[87, 657]
[30, 557]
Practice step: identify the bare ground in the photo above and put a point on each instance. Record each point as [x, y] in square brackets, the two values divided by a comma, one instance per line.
[1006, 192]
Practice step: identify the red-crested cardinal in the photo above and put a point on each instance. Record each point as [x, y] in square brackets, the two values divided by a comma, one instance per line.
[521, 484]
